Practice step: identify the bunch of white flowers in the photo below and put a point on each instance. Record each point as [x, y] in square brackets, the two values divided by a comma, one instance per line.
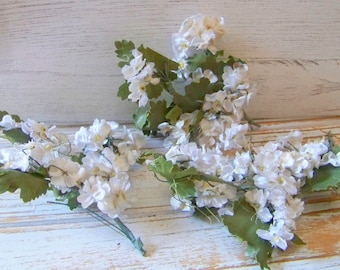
[94, 165]
[139, 74]
[198, 32]
[269, 177]
[210, 163]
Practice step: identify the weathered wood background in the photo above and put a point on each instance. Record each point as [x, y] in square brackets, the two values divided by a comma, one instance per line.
[57, 60]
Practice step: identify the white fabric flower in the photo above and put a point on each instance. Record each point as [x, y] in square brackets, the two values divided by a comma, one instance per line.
[115, 202]
[217, 195]
[65, 174]
[135, 66]
[7, 122]
[94, 189]
[139, 75]
[258, 199]
[331, 158]
[14, 158]
[277, 234]
[198, 32]
[94, 137]
[235, 78]
[198, 74]
[184, 205]
[37, 131]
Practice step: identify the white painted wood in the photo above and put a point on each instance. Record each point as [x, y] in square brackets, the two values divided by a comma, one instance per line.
[40, 235]
[57, 61]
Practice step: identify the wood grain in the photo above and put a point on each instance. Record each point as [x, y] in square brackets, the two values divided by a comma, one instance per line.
[57, 61]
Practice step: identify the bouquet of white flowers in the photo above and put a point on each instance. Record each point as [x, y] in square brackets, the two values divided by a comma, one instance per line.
[91, 169]
[196, 100]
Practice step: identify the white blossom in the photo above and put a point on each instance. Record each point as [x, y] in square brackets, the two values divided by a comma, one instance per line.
[184, 205]
[235, 78]
[209, 195]
[198, 32]
[37, 131]
[7, 122]
[94, 189]
[277, 235]
[139, 75]
[258, 199]
[14, 158]
[65, 174]
[331, 158]
[115, 202]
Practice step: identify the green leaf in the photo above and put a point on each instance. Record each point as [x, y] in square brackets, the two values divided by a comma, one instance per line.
[297, 240]
[70, 196]
[325, 178]
[163, 65]
[123, 91]
[173, 114]
[207, 61]
[157, 114]
[153, 91]
[184, 188]
[232, 60]
[3, 113]
[332, 145]
[180, 180]
[31, 185]
[15, 117]
[244, 225]
[140, 117]
[162, 167]
[194, 95]
[16, 135]
[123, 51]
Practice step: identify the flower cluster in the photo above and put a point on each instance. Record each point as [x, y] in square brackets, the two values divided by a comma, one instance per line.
[210, 164]
[91, 169]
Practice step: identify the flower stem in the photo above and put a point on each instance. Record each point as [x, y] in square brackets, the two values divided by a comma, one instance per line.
[118, 225]
[137, 242]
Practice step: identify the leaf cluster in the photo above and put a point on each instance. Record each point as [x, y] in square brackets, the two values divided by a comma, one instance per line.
[325, 177]
[15, 135]
[185, 98]
[181, 180]
[31, 185]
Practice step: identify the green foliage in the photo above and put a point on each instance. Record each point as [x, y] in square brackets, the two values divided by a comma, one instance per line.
[173, 114]
[141, 117]
[70, 197]
[31, 185]
[194, 95]
[325, 178]
[123, 91]
[123, 51]
[332, 145]
[207, 61]
[16, 135]
[156, 115]
[244, 225]
[153, 91]
[232, 60]
[148, 118]
[163, 65]
[15, 117]
[180, 180]
[297, 240]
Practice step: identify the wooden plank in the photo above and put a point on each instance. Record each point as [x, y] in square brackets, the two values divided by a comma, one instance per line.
[57, 61]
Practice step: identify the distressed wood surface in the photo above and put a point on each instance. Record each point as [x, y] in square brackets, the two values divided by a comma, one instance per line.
[40, 235]
[57, 61]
